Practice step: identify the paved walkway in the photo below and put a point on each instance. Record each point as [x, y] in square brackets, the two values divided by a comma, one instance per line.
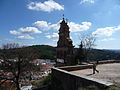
[107, 72]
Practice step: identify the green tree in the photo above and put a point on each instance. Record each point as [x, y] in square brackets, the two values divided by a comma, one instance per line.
[80, 54]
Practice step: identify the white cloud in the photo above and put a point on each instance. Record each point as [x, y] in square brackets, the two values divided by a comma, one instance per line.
[54, 35]
[55, 40]
[74, 27]
[25, 37]
[32, 30]
[87, 1]
[43, 25]
[46, 6]
[107, 39]
[26, 30]
[107, 31]
[14, 32]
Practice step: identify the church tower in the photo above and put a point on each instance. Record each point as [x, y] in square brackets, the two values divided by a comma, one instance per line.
[64, 45]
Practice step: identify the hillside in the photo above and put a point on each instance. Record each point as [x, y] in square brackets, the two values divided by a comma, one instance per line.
[98, 54]
[45, 51]
[49, 52]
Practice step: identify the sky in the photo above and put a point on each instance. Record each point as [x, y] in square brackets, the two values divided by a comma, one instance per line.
[36, 22]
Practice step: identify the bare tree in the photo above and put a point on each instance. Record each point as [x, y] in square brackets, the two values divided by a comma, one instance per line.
[16, 61]
[87, 43]
[10, 46]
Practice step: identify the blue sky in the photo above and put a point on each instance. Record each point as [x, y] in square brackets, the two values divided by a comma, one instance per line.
[36, 22]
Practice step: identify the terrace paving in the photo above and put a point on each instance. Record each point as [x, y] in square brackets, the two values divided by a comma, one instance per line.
[107, 72]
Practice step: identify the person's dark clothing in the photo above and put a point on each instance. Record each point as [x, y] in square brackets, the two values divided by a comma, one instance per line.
[94, 68]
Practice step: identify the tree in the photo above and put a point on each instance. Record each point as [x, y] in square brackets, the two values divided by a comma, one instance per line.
[80, 54]
[16, 61]
[87, 43]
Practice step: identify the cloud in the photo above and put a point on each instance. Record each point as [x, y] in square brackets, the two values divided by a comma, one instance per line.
[32, 30]
[107, 39]
[14, 32]
[55, 40]
[87, 1]
[26, 30]
[46, 6]
[107, 31]
[25, 37]
[74, 27]
[44, 25]
[54, 35]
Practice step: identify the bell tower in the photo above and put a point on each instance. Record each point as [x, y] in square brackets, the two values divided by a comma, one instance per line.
[64, 45]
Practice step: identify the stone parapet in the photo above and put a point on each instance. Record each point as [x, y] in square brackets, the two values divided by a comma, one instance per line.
[62, 79]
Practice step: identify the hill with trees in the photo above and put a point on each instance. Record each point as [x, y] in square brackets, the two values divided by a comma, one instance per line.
[45, 51]
[49, 52]
[98, 54]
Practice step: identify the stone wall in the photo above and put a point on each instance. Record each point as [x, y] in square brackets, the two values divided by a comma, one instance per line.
[90, 65]
[76, 67]
[108, 61]
[62, 79]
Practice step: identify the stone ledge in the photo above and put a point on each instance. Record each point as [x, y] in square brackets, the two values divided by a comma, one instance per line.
[104, 83]
[71, 81]
[76, 67]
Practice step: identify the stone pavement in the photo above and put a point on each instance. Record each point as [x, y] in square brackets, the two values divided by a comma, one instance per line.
[107, 72]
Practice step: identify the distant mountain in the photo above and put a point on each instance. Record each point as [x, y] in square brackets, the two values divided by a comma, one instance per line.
[105, 54]
[46, 51]
[49, 52]
[115, 50]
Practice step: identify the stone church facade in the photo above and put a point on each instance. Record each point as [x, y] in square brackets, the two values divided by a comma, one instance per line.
[65, 48]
